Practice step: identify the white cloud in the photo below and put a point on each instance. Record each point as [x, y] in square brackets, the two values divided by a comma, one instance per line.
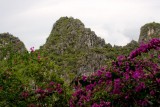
[117, 21]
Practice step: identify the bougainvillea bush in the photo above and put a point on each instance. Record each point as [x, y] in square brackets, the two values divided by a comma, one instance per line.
[131, 81]
[31, 80]
[14, 93]
[27, 81]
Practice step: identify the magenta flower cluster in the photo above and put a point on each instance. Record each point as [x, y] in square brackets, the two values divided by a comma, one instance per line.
[153, 44]
[129, 81]
[32, 49]
[41, 93]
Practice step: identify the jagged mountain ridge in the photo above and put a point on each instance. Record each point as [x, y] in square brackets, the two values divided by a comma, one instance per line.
[69, 36]
[70, 32]
[78, 50]
[45, 76]
[75, 44]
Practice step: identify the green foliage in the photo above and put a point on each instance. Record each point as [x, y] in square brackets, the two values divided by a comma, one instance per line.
[71, 49]
[10, 89]
[24, 73]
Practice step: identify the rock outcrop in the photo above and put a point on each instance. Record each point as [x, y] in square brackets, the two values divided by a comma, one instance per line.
[10, 45]
[70, 32]
[148, 31]
[76, 49]
[70, 38]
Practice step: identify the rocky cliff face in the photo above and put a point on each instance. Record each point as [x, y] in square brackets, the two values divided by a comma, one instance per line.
[77, 49]
[70, 32]
[71, 40]
[149, 31]
[10, 45]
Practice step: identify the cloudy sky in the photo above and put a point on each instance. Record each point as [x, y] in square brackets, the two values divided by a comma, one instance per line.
[117, 21]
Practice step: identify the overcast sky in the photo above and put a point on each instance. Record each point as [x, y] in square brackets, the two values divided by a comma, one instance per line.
[117, 21]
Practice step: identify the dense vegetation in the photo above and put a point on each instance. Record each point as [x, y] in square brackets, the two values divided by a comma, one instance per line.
[75, 68]
[132, 80]
[27, 80]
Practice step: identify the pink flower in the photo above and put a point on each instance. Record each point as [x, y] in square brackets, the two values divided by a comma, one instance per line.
[99, 72]
[32, 49]
[25, 94]
[49, 90]
[108, 74]
[158, 80]
[39, 57]
[39, 91]
[103, 69]
[89, 87]
[58, 85]
[126, 76]
[84, 78]
[60, 91]
[51, 83]
[117, 86]
[140, 87]
[143, 103]
[136, 75]
[126, 97]
[96, 105]
[121, 58]
[105, 104]
[152, 93]
[151, 55]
